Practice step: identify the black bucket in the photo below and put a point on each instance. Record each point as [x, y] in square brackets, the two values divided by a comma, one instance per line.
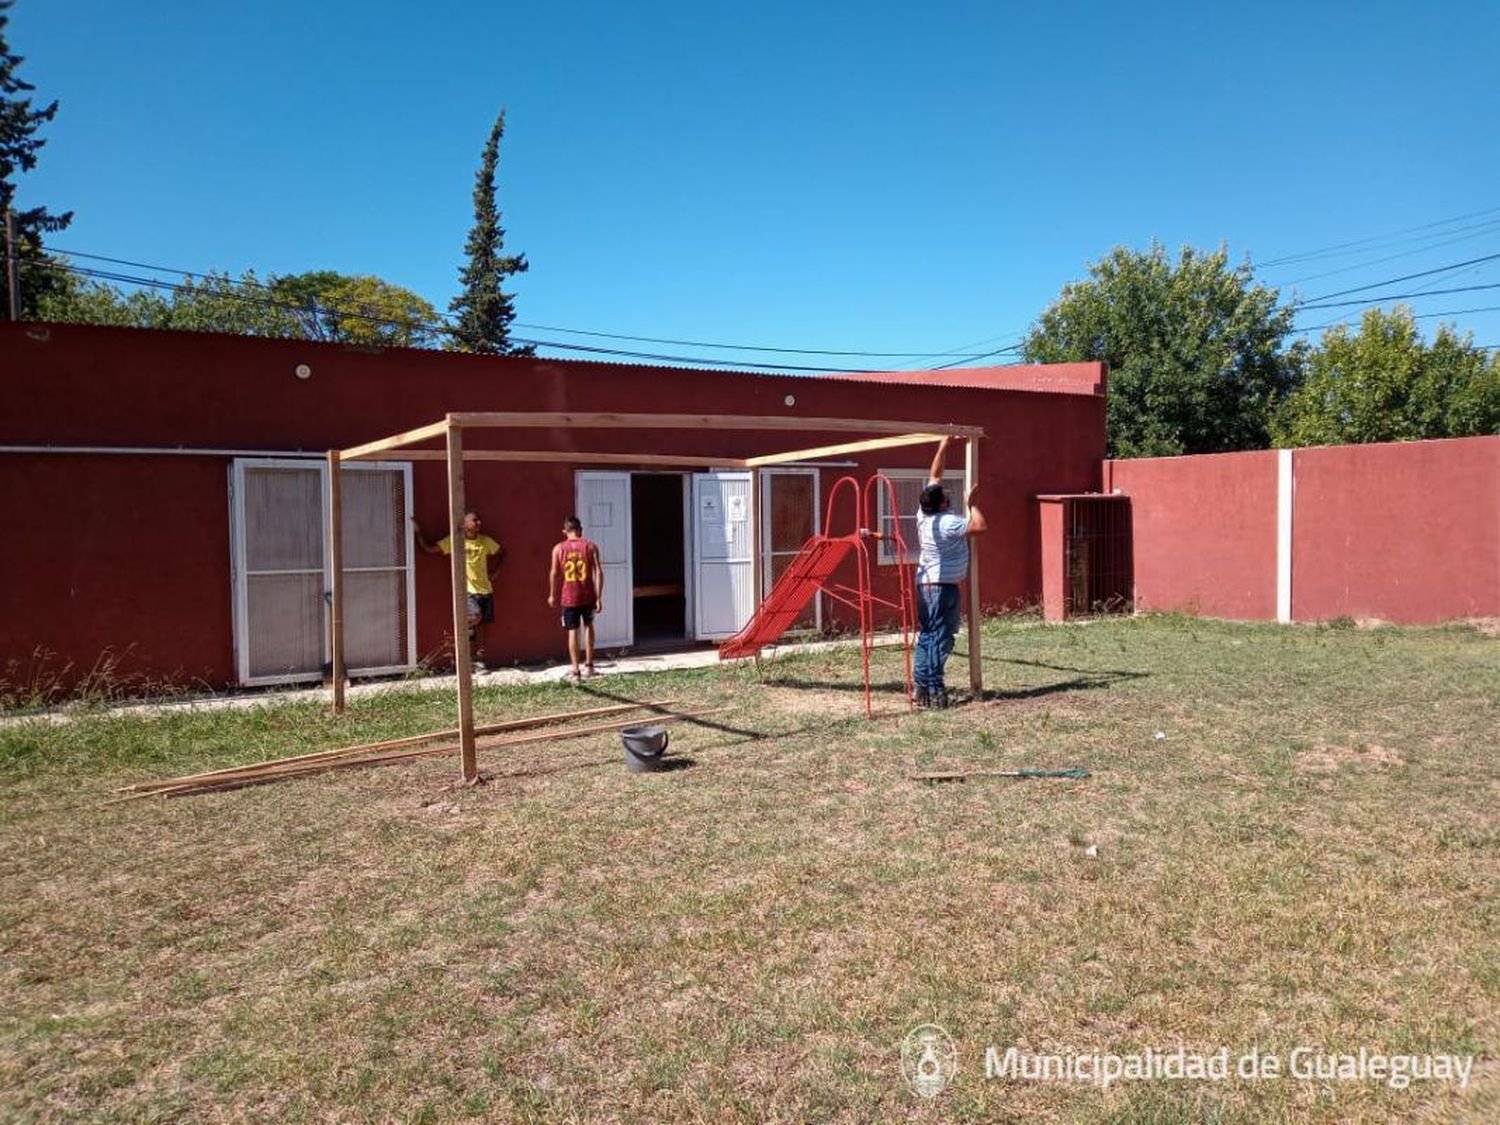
[644, 747]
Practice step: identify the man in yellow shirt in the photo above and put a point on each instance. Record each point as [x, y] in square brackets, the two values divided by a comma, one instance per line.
[478, 572]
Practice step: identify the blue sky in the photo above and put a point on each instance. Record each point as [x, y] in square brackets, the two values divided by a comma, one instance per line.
[861, 176]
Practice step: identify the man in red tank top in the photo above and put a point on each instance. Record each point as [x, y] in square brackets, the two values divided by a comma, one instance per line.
[578, 580]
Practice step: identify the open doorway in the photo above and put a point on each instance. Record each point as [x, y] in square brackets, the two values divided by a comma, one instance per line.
[658, 551]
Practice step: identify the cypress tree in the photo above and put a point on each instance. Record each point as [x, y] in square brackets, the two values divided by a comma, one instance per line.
[484, 310]
[19, 143]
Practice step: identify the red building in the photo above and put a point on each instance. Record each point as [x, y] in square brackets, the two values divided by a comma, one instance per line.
[166, 495]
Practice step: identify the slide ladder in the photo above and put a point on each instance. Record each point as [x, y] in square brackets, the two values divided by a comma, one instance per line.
[812, 570]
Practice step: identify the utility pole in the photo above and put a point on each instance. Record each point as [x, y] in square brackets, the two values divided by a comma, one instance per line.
[12, 273]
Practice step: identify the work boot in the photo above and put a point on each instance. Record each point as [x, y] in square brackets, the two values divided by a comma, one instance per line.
[940, 698]
[920, 698]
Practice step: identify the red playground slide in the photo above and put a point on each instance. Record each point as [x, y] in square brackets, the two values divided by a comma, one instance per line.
[812, 571]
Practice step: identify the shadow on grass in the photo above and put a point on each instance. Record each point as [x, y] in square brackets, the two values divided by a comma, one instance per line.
[1078, 683]
[707, 723]
[1092, 681]
[669, 765]
[1110, 672]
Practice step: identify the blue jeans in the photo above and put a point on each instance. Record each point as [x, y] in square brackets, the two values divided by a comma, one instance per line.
[937, 624]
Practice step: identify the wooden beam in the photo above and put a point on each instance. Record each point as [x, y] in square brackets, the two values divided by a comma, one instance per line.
[336, 557]
[846, 447]
[463, 666]
[410, 437]
[564, 457]
[527, 420]
[275, 773]
[392, 744]
[976, 664]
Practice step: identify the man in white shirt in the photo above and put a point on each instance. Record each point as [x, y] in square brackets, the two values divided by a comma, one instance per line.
[942, 563]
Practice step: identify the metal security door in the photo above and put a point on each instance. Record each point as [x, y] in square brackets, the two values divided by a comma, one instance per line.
[604, 508]
[281, 565]
[790, 518]
[280, 625]
[724, 581]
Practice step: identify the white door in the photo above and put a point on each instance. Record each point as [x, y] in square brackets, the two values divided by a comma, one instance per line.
[282, 576]
[379, 585]
[724, 581]
[604, 508]
[789, 518]
[280, 623]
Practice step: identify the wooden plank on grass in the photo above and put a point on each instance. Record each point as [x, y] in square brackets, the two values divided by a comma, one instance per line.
[276, 773]
[397, 743]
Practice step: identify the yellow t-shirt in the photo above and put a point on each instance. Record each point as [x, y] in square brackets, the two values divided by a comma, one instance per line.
[476, 566]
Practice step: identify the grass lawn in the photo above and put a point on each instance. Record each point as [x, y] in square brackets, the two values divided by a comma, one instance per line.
[1307, 855]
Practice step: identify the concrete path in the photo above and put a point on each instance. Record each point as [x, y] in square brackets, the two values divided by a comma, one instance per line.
[660, 662]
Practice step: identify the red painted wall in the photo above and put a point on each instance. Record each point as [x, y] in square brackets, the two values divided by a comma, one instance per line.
[1405, 532]
[1205, 532]
[131, 553]
[116, 567]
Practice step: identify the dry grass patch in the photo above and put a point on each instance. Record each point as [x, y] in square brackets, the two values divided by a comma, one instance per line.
[750, 936]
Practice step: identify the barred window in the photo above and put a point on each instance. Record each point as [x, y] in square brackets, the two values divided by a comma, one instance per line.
[908, 485]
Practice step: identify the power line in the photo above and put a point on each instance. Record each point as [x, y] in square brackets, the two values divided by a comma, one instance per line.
[972, 358]
[965, 355]
[446, 320]
[1483, 229]
[1417, 316]
[1334, 249]
[1405, 277]
[734, 347]
[157, 283]
[1398, 297]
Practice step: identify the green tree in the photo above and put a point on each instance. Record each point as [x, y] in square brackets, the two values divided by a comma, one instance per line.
[71, 299]
[1196, 350]
[244, 306]
[320, 305]
[483, 310]
[19, 143]
[357, 310]
[1384, 383]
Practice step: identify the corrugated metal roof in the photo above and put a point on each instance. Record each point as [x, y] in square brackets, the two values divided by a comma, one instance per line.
[1047, 378]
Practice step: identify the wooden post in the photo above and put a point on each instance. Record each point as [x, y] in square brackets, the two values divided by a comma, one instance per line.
[976, 664]
[756, 493]
[336, 555]
[12, 274]
[458, 557]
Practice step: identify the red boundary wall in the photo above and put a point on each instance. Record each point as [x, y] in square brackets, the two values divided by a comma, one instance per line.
[1405, 532]
[1205, 532]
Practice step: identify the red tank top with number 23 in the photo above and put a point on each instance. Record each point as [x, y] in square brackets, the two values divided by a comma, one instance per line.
[575, 556]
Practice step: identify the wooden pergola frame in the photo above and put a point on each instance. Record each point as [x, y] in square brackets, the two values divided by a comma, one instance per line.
[452, 427]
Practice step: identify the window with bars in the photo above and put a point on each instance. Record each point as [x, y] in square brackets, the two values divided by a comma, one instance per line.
[908, 485]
